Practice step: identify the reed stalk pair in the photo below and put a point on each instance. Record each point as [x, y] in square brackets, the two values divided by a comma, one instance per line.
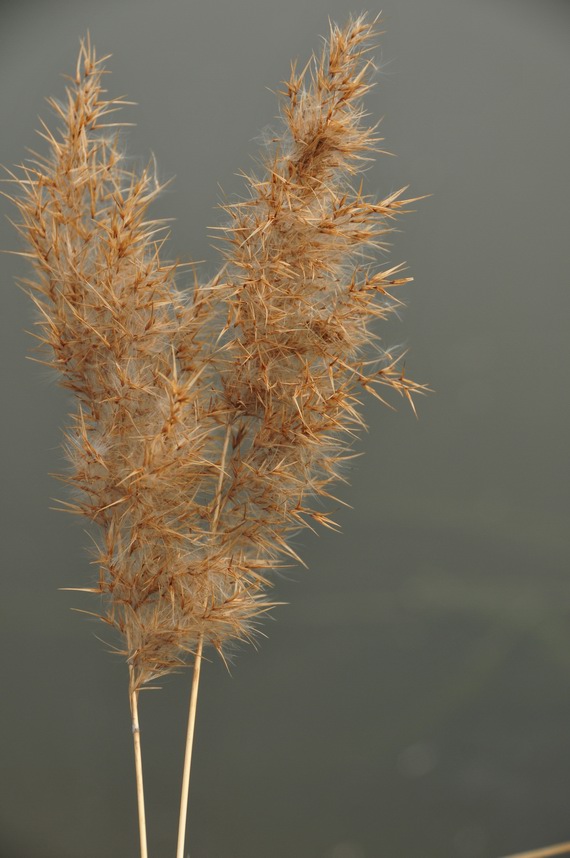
[210, 424]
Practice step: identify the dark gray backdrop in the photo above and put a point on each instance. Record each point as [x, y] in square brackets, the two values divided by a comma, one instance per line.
[412, 700]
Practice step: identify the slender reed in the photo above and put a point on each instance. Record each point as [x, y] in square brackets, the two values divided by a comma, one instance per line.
[188, 752]
[134, 700]
[210, 425]
[544, 852]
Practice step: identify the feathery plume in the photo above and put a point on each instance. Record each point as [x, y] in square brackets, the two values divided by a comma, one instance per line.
[303, 302]
[210, 426]
[206, 427]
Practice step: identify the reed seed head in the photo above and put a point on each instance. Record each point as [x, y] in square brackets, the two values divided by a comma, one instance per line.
[210, 425]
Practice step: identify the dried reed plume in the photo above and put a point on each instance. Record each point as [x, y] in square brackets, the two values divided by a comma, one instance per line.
[208, 426]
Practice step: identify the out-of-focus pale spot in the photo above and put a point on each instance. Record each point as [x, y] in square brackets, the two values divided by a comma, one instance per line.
[417, 760]
[346, 849]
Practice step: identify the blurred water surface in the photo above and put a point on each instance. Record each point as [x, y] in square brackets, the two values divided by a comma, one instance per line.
[412, 699]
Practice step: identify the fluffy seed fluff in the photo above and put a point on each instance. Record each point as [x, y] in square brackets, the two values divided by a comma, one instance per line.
[208, 425]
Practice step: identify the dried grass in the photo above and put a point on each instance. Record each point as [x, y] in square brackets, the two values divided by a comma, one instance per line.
[210, 426]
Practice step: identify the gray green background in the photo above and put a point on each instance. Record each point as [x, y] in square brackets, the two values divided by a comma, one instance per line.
[412, 700]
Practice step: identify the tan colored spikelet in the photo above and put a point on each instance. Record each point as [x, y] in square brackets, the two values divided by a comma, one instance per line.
[303, 303]
[143, 443]
[206, 426]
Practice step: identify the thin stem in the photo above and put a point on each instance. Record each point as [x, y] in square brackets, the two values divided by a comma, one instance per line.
[218, 506]
[188, 751]
[134, 697]
[558, 849]
[196, 677]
